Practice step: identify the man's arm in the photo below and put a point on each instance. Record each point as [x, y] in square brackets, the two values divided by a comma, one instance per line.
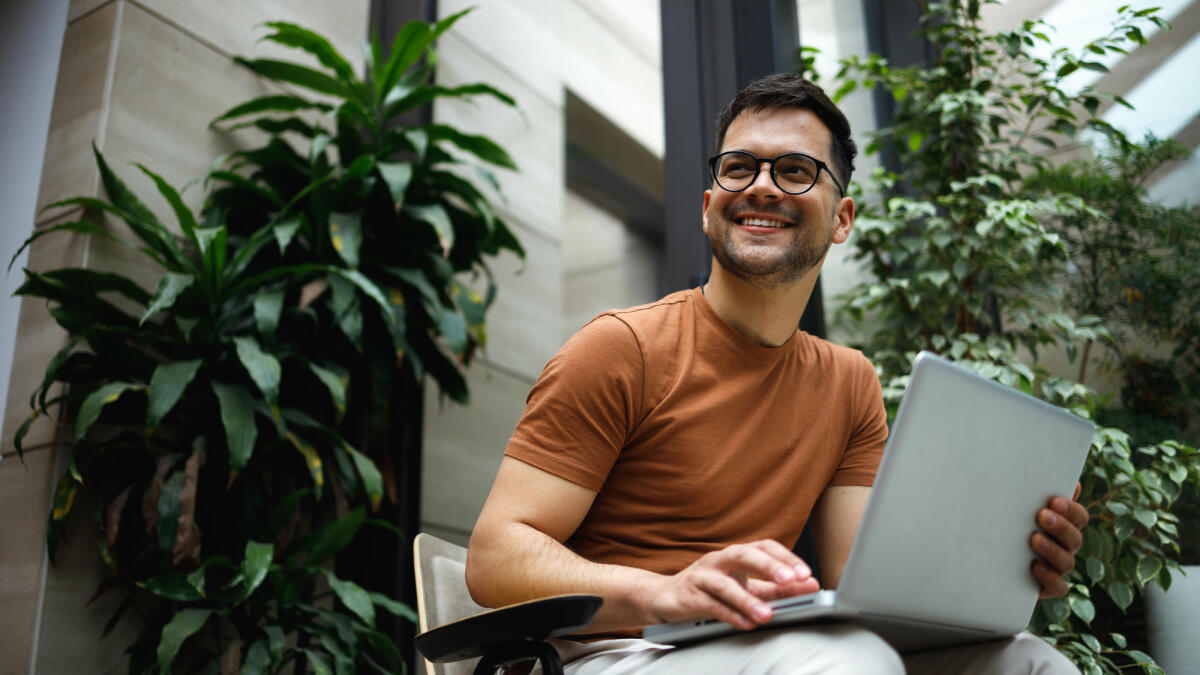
[516, 554]
[835, 521]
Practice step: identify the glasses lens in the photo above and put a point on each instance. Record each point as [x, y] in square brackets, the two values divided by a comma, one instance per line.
[735, 170]
[795, 173]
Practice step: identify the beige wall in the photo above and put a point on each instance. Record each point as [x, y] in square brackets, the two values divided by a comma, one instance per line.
[607, 55]
[141, 80]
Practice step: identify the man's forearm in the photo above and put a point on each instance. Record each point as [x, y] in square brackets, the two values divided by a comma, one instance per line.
[515, 562]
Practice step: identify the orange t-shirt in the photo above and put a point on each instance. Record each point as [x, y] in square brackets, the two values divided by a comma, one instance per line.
[695, 438]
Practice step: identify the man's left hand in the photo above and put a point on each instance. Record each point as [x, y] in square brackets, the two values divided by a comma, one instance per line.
[1058, 539]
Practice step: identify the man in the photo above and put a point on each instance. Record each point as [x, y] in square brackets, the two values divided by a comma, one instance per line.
[670, 454]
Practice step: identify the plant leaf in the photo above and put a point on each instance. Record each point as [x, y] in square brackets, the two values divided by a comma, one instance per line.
[268, 307]
[481, 146]
[285, 230]
[78, 227]
[435, 215]
[335, 536]
[166, 386]
[169, 288]
[396, 175]
[255, 565]
[294, 73]
[263, 368]
[90, 409]
[237, 416]
[187, 222]
[396, 608]
[169, 508]
[272, 103]
[183, 625]
[335, 383]
[345, 234]
[312, 460]
[353, 597]
[371, 478]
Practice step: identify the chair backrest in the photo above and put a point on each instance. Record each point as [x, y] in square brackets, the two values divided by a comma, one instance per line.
[442, 594]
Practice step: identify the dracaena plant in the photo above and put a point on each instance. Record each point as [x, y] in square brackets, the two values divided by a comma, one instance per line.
[220, 422]
[957, 249]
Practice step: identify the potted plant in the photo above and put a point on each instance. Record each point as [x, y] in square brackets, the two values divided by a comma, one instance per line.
[226, 422]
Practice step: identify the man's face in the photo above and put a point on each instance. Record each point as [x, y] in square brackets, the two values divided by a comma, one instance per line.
[762, 235]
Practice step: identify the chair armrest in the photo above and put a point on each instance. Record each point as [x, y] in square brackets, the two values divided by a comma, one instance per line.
[531, 621]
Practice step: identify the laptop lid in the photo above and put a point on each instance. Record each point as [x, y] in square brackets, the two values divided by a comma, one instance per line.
[945, 536]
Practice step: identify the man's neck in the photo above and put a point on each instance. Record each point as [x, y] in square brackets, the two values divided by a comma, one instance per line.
[766, 317]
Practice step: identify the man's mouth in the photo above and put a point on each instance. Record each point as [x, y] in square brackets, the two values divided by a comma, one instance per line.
[755, 221]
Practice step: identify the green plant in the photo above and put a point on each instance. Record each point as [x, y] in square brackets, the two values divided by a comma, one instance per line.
[954, 251]
[225, 424]
[1134, 263]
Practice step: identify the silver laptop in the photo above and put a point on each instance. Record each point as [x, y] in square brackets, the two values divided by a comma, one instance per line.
[942, 553]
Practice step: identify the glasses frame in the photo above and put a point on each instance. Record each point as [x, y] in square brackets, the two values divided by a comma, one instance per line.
[758, 161]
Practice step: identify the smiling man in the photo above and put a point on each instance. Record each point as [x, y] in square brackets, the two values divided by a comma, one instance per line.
[670, 454]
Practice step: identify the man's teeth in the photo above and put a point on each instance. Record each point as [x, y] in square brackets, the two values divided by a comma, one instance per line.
[763, 222]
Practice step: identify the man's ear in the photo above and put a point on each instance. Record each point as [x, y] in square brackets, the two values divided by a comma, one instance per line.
[843, 220]
[704, 213]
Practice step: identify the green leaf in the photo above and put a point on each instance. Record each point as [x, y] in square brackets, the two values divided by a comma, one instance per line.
[187, 222]
[1095, 569]
[295, 36]
[1056, 609]
[166, 386]
[64, 498]
[169, 288]
[237, 416]
[139, 218]
[1082, 607]
[319, 663]
[408, 46]
[1124, 526]
[371, 478]
[90, 409]
[452, 327]
[396, 175]
[435, 215]
[1146, 517]
[285, 230]
[396, 608]
[174, 586]
[268, 307]
[480, 146]
[1092, 642]
[1121, 594]
[78, 227]
[294, 73]
[258, 659]
[263, 368]
[353, 597]
[273, 103]
[345, 234]
[1147, 569]
[335, 383]
[255, 565]
[183, 625]
[335, 536]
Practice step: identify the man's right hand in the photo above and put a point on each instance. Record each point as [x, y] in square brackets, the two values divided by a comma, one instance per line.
[733, 584]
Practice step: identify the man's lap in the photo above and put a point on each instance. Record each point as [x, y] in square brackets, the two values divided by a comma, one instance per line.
[816, 649]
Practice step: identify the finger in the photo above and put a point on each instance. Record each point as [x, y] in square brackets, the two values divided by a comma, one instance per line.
[1052, 585]
[767, 590]
[763, 561]
[1061, 528]
[732, 603]
[1073, 510]
[1052, 553]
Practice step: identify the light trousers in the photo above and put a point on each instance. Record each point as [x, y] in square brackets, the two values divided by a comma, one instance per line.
[832, 649]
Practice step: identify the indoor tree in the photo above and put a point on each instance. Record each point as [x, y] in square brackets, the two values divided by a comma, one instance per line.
[954, 247]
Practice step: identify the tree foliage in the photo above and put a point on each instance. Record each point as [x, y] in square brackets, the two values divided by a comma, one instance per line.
[957, 250]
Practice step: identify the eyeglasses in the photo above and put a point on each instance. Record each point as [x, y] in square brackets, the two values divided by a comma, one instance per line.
[795, 172]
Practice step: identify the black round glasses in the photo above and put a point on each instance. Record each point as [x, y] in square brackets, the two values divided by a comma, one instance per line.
[795, 172]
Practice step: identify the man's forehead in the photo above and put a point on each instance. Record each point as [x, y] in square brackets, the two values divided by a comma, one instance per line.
[778, 127]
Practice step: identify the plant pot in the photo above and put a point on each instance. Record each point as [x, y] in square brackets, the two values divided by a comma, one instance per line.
[1173, 621]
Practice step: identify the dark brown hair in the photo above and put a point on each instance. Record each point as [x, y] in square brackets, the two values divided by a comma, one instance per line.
[788, 90]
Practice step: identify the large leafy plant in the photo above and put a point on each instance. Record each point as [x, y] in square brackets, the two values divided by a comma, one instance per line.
[955, 250]
[221, 423]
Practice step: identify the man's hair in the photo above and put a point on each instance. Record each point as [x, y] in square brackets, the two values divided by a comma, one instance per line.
[788, 90]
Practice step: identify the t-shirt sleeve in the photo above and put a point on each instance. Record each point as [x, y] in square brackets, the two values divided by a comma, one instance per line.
[869, 431]
[584, 406]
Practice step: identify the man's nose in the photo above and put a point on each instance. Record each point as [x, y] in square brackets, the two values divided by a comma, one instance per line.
[764, 184]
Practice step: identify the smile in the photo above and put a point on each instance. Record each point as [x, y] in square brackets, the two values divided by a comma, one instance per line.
[762, 222]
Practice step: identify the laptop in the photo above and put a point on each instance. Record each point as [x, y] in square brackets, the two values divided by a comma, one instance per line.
[942, 552]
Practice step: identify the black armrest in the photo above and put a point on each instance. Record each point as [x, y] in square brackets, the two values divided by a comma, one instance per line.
[532, 621]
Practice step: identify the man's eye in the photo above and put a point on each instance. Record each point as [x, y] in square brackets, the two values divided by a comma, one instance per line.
[734, 168]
